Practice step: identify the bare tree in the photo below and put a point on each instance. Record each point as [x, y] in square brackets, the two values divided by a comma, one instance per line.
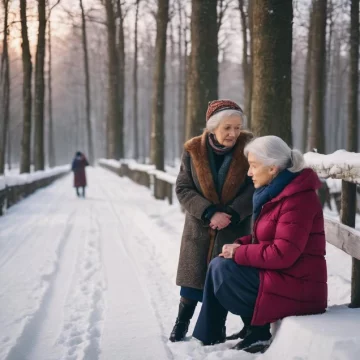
[174, 128]
[27, 97]
[121, 76]
[39, 156]
[246, 59]
[181, 76]
[135, 84]
[5, 84]
[203, 66]
[272, 48]
[114, 141]
[157, 118]
[338, 93]
[348, 209]
[307, 88]
[87, 85]
[223, 7]
[51, 144]
[318, 67]
[353, 79]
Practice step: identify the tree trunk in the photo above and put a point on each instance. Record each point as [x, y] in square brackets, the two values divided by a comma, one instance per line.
[328, 73]
[77, 123]
[307, 89]
[173, 127]
[182, 81]
[332, 98]
[272, 47]
[113, 142]
[203, 70]
[251, 61]
[39, 156]
[87, 86]
[135, 84]
[246, 62]
[27, 98]
[330, 21]
[347, 217]
[9, 150]
[5, 82]
[157, 120]
[39, 153]
[338, 93]
[353, 135]
[318, 67]
[121, 79]
[353, 79]
[51, 146]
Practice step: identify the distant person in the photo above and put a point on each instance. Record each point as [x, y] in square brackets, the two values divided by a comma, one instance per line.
[280, 269]
[213, 188]
[78, 167]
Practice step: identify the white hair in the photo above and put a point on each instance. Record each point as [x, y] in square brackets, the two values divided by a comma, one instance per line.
[272, 150]
[217, 118]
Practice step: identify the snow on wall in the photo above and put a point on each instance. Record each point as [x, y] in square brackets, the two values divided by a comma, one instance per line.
[110, 162]
[27, 178]
[169, 177]
[162, 175]
[333, 167]
[339, 165]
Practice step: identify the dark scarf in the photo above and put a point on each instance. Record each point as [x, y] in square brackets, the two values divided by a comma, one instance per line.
[266, 193]
[219, 172]
[217, 147]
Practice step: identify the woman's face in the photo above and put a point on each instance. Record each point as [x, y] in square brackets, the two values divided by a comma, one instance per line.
[228, 130]
[261, 174]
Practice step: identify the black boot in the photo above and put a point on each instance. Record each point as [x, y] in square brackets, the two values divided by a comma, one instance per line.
[186, 312]
[256, 340]
[242, 333]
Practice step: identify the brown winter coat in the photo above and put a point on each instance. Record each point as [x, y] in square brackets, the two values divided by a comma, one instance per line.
[196, 191]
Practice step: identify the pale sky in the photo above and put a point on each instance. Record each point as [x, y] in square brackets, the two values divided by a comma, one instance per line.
[62, 22]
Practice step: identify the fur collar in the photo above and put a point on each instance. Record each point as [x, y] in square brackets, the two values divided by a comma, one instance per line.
[197, 149]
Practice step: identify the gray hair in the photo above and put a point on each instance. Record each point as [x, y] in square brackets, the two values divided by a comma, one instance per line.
[217, 118]
[272, 150]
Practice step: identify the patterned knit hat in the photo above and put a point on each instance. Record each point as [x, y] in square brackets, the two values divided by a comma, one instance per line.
[216, 106]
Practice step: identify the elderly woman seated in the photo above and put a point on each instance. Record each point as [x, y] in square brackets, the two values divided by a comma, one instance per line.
[280, 269]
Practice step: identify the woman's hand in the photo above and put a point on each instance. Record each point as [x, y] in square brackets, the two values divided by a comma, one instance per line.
[220, 220]
[228, 250]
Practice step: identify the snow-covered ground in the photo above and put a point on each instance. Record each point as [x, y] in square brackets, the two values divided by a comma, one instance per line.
[94, 279]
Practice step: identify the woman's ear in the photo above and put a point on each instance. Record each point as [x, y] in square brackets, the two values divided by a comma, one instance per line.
[273, 170]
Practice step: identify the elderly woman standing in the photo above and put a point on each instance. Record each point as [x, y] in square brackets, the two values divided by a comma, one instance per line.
[285, 252]
[216, 193]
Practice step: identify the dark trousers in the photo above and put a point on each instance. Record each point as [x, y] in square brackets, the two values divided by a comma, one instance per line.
[78, 191]
[228, 287]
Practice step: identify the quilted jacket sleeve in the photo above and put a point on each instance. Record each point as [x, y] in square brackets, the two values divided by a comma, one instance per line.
[193, 202]
[244, 240]
[292, 233]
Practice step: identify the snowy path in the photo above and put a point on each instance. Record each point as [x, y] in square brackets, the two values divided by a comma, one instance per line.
[94, 279]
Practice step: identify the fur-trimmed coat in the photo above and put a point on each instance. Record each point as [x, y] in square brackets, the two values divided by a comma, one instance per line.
[195, 189]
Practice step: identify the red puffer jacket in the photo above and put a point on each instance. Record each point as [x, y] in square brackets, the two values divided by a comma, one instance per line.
[289, 249]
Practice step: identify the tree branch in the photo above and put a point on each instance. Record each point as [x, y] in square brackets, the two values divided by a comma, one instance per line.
[56, 4]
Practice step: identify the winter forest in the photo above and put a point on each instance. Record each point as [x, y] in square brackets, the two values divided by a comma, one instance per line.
[117, 269]
[132, 78]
